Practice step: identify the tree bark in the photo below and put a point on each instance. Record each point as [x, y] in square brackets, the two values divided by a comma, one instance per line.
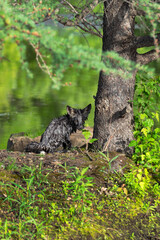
[114, 122]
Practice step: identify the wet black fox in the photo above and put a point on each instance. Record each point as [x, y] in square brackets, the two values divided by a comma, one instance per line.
[59, 130]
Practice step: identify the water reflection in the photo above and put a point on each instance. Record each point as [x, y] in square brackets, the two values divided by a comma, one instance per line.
[29, 104]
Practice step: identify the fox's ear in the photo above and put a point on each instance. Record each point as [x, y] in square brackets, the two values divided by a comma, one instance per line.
[86, 111]
[70, 111]
[89, 107]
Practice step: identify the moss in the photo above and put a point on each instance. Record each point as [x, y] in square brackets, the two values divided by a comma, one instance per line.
[8, 176]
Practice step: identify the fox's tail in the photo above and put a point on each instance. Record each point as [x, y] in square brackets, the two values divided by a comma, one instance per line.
[35, 147]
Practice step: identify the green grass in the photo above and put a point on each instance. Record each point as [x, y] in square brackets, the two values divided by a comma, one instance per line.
[42, 204]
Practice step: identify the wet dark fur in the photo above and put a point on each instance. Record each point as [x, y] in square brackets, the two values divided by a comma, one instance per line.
[59, 130]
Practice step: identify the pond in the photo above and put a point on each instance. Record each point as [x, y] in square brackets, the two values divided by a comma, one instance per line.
[29, 104]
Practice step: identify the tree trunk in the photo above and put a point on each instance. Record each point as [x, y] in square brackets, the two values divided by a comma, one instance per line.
[114, 122]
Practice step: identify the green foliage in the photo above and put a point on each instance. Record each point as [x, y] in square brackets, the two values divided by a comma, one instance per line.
[150, 21]
[147, 91]
[87, 134]
[139, 181]
[21, 23]
[147, 143]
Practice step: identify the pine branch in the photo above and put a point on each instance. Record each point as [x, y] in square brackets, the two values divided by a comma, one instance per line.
[41, 62]
[147, 41]
[147, 57]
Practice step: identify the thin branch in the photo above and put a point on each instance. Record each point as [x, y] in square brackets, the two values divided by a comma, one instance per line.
[86, 153]
[90, 31]
[90, 7]
[70, 5]
[41, 62]
[92, 25]
[64, 22]
[83, 27]
[105, 147]
[147, 57]
[146, 41]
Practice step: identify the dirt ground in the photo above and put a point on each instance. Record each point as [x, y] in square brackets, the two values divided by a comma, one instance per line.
[98, 165]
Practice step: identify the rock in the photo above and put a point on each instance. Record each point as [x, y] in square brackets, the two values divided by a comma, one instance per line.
[78, 140]
[18, 142]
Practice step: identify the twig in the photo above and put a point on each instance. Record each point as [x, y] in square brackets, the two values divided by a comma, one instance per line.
[42, 66]
[107, 144]
[71, 6]
[86, 153]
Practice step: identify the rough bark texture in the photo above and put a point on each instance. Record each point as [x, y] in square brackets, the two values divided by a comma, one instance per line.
[113, 123]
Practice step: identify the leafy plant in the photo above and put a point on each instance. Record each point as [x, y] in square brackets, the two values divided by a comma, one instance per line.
[78, 189]
[87, 134]
[138, 180]
[147, 132]
[108, 159]
[147, 92]
[147, 136]
[147, 143]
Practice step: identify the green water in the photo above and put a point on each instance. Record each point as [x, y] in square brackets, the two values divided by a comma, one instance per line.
[29, 104]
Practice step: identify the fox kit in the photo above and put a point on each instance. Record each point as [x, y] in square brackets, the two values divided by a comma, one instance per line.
[59, 130]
